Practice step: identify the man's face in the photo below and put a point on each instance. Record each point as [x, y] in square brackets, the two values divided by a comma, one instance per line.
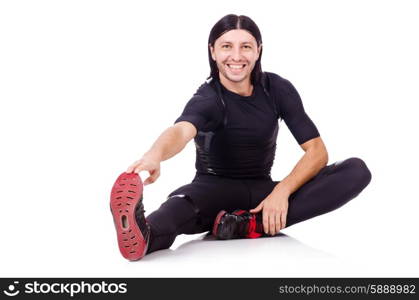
[235, 53]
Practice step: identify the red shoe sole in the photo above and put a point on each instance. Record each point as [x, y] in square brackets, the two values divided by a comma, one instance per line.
[217, 221]
[126, 193]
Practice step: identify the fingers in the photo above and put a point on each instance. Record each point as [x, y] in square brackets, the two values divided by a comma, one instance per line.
[283, 219]
[138, 166]
[257, 208]
[273, 217]
[278, 218]
[153, 177]
[272, 225]
[274, 221]
[135, 167]
[137, 170]
[265, 220]
[130, 169]
[269, 221]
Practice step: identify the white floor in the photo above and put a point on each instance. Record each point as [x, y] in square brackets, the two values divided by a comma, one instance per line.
[355, 240]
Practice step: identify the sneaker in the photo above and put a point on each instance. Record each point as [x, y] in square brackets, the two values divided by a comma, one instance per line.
[127, 209]
[239, 224]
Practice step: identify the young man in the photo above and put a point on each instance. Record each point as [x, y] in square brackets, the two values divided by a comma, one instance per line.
[233, 119]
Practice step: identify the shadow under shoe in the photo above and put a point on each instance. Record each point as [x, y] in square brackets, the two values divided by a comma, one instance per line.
[239, 224]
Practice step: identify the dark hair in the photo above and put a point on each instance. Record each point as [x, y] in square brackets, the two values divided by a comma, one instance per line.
[230, 22]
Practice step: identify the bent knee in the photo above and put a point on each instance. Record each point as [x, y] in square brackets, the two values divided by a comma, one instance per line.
[360, 170]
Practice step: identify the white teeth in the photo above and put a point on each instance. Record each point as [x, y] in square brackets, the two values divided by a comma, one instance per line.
[236, 66]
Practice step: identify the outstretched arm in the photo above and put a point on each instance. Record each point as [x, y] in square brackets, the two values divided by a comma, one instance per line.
[168, 144]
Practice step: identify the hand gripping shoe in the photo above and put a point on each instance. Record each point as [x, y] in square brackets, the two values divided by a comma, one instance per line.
[239, 224]
[127, 208]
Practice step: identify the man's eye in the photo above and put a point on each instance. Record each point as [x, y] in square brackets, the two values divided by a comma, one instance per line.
[246, 46]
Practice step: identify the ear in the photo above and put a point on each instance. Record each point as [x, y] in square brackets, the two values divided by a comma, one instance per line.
[259, 50]
[212, 51]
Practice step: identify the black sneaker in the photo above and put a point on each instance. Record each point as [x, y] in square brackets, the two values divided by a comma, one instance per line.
[239, 224]
[127, 208]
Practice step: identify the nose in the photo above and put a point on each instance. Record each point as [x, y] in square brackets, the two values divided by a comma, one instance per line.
[235, 55]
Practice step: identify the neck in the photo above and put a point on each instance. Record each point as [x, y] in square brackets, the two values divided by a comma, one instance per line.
[243, 88]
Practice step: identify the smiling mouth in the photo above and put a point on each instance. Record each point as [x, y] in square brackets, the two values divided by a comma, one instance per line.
[236, 67]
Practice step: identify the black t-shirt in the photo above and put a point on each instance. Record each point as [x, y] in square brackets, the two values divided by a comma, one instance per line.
[238, 139]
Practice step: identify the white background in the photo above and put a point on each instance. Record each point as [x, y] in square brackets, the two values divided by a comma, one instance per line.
[87, 86]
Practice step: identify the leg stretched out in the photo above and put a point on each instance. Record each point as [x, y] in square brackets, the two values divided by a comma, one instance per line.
[193, 207]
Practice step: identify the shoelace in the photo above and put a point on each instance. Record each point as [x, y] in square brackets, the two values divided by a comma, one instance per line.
[141, 219]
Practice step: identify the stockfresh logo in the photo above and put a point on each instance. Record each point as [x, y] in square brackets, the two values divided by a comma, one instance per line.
[11, 289]
[71, 289]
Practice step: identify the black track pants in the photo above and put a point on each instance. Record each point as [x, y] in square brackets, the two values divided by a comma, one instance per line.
[193, 207]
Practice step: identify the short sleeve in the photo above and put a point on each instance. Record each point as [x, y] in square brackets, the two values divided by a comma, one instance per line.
[291, 110]
[202, 112]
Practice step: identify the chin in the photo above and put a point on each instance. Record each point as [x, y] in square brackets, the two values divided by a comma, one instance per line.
[236, 78]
